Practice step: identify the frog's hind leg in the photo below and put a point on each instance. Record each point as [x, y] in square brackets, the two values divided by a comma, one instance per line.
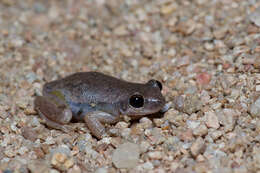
[55, 113]
[95, 120]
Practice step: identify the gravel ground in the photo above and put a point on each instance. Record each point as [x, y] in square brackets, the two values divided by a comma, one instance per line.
[205, 52]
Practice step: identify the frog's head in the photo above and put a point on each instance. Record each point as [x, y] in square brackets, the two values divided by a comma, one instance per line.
[143, 100]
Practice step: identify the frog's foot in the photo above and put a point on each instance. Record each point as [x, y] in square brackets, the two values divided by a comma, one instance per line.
[53, 124]
[94, 122]
[55, 116]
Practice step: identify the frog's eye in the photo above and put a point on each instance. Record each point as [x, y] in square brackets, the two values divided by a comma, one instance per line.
[159, 84]
[155, 83]
[137, 101]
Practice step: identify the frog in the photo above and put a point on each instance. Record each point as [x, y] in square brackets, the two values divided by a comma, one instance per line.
[96, 99]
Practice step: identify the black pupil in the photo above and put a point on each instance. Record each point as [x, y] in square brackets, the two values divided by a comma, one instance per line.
[159, 84]
[137, 101]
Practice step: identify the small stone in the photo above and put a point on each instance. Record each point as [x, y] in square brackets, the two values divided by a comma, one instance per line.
[255, 108]
[228, 118]
[203, 78]
[30, 111]
[31, 77]
[209, 46]
[201, 130]
[172, 52]
[121, 125]
[39, 152]
[173, 39]
[38, 166]
[192, 124]
[183, 61]
[126, 52]
[126, 155]
[216, 134]
[54, 171]
[22, 103]
[147, 166]
[189, 104]
[75, 169]
[23, 150]
[61, 158]
[257, 88]
[198, 147]
[155, 155]
[255, 17]
[174, 166]
[3, 114]
[187, 135]
[29, 133]
[90, 152]
[200, 158]
[7, 171]
[212, 120]
[155, 135]
[185, 27]
[146, 122]
[158, 122]
[9, 152]
[168, 8]
[125, 133]
[101, 170]
[121, 30]
[256, 156]
[144, 146]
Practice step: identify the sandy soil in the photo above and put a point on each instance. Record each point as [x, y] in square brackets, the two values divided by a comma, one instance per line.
[205, 52]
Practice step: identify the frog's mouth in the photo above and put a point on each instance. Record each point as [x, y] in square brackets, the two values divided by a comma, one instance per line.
[146, 110]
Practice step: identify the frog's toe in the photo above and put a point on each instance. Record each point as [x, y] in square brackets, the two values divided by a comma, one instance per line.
[66, 116]
[66, 129]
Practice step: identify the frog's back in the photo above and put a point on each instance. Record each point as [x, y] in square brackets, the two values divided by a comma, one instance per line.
[85, 87]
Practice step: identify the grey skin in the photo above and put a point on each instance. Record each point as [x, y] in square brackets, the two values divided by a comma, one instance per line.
[97, 99]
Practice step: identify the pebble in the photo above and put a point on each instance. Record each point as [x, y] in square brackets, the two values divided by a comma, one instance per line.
[75, 169]
[201, 130]
[121, 30]
[101, 170]
[146, 166]
[257, 88]
[212, 120]
[38, 166]
[255, 108]
[228, 118]
[121, 125]
[216, 134]
[155, 135]
[155, 155]
[255, 17]
[256, 156]
[203, 78]
[186, 135]
[61, 158]
[190, 104]
[29, 133]
[146, 123]
[168, 8]
[126, 155]
[192, 124]
[144, 146]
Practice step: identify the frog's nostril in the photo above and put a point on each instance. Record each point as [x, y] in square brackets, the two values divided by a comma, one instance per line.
[157, 101]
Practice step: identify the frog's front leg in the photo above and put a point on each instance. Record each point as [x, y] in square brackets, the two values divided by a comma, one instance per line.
[95, 120]
[54, 111]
